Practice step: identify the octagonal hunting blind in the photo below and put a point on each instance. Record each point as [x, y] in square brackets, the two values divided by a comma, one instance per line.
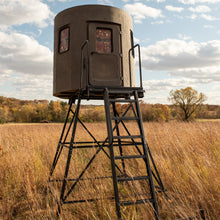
[91, 49]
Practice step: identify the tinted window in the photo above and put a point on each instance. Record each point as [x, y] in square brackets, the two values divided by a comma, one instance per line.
[103, 40]
[64, 40]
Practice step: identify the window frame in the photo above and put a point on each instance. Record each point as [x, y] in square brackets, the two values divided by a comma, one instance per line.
[59, 38]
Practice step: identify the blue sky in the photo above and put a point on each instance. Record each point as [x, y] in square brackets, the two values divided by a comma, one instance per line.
[179, 41]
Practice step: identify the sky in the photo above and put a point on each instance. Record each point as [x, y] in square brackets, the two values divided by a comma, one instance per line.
[179, 41]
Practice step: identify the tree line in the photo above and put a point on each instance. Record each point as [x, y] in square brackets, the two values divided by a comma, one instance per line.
[12, 110]
[15, 110]
[187, 104]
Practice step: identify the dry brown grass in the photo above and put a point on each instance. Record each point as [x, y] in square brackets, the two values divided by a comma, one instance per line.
[187, 156]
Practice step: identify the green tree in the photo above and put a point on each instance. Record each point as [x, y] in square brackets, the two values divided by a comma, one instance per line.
[188, 100]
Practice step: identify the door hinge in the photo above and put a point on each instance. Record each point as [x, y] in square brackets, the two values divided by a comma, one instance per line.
[120, 54]
[121, 78]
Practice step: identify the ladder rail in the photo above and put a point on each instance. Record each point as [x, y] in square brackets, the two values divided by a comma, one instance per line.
[145, 149]
[118, 134]
[110, 138]
[156, 176]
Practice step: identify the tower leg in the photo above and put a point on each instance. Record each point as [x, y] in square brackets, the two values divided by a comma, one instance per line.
[70, 149]
[60, 147]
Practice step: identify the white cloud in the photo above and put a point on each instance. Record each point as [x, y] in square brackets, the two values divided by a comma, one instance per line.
[168, 84]
[26, 66]
[204, 74]
[188, 59]
[192, 2]
[208, 17]
[157, 91]
[193, 16]
[204, 16]
[19, 12]
[193, 64]
[157, 22]
[29, 87]
[200, 9]
[20, 53]
[136, 40]
[141, 11]
[174, 9]
[213, 95]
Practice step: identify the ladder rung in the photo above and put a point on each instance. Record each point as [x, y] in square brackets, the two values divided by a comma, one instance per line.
[126, 144]
[139, 201]
[129, 157]
[127, 137]
[122, 179]
[125, 118]
[122, 100]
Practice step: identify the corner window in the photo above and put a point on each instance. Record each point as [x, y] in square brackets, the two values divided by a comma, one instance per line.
[64, 40]
[103, 40]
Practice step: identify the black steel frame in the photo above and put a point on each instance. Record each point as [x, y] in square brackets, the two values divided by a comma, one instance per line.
[110, 142]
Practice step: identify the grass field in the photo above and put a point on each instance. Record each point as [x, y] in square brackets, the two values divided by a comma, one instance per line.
[187, 157]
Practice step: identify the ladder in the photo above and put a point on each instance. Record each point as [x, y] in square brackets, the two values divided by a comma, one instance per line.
[115, 139]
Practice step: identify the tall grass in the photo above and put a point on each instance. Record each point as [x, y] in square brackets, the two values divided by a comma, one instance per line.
[187, 157]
